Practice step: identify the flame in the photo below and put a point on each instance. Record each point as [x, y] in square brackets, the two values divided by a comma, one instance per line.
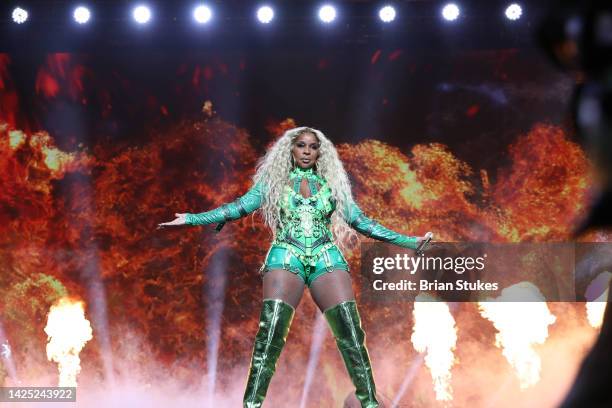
[520, 325]
[61, 75]
[539, 196]
[597, 295]
[57, 205]
[426, 192]
[435, 334]
[68, 331]
[595, 310]
[276, 128]
[16, 138]
[542, 193]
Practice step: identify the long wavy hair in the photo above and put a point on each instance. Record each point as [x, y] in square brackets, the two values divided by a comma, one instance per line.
[273, 172]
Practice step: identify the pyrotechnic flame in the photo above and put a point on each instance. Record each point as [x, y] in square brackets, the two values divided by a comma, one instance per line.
[435, 334]
[597, 296]
[68, 332]
[595, 310]
[521, 317]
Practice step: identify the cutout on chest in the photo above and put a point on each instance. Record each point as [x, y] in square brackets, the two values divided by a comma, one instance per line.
[322, 201]
[306, 187]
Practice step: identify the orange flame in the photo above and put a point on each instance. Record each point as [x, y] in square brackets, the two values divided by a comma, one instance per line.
[544, 191]
[68, 332]
[60, 75]
[76, 209]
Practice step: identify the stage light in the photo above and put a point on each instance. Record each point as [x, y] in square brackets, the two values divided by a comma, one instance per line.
[19, 15]
[202, 14]
[450, 12]
[81, 15]
[141, 14]
[387, 14]
[327, 13]
[265, 14]
[514, 12]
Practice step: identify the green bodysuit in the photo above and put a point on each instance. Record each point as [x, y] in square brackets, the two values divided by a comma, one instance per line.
[304, 242]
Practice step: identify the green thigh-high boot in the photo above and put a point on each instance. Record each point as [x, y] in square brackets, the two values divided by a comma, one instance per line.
[345, 324]
[274, 323]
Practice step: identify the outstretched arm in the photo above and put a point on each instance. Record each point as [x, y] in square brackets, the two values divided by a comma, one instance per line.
[370, 228]
[238, 208]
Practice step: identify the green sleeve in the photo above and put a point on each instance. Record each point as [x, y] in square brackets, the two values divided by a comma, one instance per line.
[238, 208]
[372, 229]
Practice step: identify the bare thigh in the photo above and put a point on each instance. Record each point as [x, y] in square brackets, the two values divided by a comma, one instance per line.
[284, 285]
[332, 288]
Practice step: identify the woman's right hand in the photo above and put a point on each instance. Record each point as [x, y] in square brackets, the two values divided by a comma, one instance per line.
[424, 238]
[179, 220]
[422, 242]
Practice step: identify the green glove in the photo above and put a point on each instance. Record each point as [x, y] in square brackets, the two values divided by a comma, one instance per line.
[370, 228]
[242, 206]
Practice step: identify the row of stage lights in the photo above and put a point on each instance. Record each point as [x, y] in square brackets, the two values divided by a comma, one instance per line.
[327, 13]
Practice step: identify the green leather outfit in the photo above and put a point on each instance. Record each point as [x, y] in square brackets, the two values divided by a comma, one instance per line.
[304, 243]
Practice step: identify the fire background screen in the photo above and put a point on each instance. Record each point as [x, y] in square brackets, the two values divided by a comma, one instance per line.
[97, 148]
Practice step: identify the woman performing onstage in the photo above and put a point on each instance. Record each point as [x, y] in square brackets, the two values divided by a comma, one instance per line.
[304, 194]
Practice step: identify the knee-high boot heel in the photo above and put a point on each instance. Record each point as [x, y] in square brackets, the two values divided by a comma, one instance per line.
[345, 324]
[274, 322]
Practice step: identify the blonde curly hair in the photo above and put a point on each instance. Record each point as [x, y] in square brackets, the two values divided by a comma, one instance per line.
[273, 172]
